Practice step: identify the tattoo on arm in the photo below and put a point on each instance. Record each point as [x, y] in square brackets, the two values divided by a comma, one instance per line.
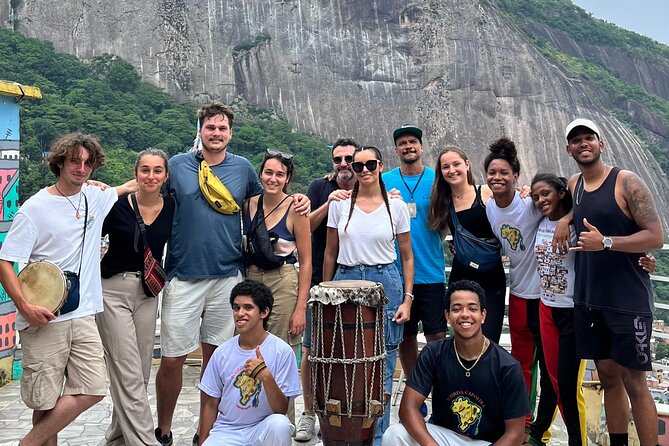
[639, 200]
[403, 241]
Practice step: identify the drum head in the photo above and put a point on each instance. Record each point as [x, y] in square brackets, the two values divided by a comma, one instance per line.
[359, 292]
[43, 284]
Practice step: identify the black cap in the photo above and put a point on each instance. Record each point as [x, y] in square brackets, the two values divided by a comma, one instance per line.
[410, 129]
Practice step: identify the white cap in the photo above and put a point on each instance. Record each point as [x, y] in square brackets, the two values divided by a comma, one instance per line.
[581, 123]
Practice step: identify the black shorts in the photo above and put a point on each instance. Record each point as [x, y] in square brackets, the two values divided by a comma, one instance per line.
[428, 307]
[609, 334]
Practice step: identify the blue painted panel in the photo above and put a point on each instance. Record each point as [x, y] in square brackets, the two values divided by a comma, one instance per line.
[9, 119]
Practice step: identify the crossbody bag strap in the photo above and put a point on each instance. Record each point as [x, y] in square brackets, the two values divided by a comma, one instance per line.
[140, 220]
[260, 216]
[83, 241]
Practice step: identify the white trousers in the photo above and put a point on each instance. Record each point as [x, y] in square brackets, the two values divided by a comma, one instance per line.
[397, 435]
[127, 329]
[275, 430]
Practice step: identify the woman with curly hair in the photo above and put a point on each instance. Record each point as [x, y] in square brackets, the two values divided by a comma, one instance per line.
[514, 221]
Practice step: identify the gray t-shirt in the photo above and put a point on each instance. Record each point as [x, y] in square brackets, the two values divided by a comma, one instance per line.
[206, 244]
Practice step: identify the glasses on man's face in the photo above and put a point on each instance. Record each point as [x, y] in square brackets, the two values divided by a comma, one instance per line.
[285, 156]
[371, 165]
[339, 159]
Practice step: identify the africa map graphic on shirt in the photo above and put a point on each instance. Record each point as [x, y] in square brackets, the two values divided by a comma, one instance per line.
[469, 414]
[513, 236]
[249, 389]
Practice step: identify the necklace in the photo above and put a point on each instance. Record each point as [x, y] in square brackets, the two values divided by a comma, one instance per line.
[76, 208]
[457, 355]
[580, 186]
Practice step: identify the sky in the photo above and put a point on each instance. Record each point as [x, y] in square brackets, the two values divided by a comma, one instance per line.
[647, 17]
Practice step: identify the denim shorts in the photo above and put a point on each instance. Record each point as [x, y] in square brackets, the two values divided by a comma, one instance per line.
[388, 276]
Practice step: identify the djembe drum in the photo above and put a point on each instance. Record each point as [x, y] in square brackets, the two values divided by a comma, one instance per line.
[44, 284]
[348, 360]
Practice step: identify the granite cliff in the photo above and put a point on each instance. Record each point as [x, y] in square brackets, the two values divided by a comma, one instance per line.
[461, 69]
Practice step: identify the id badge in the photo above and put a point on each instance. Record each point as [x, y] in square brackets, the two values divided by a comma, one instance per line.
[412, 209]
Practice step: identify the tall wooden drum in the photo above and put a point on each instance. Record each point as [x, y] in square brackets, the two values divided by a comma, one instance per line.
[348, 360]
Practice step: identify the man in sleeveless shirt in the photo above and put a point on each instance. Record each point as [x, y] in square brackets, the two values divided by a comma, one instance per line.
[414, 181]
[616, 221]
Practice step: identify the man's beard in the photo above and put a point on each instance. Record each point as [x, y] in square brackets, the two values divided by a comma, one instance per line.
[345, 175]
[588, 163]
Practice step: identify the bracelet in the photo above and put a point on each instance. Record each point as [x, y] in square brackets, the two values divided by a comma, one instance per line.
[406, 293]
[257, 369]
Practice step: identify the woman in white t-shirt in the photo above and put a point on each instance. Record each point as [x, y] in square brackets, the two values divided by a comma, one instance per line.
[361, 246]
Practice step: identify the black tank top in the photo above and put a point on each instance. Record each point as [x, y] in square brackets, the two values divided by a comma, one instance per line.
[609, 279]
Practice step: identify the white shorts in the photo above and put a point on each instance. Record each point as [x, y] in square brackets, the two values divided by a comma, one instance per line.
[397, 435]
[275, 430]
[194, 312]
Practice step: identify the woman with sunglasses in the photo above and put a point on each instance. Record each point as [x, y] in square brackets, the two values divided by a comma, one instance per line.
[361, 246]
[290, 238]
[455, 189]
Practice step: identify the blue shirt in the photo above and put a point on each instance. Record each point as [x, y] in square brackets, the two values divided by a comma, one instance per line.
[206, 244]
[426, 244]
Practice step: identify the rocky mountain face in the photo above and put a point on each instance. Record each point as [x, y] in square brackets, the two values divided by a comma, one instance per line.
[360, 68]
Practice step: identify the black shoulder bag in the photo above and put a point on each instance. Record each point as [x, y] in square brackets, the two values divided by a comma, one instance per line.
[259, 250]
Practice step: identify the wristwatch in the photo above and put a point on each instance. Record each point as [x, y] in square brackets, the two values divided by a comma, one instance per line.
[608, 243]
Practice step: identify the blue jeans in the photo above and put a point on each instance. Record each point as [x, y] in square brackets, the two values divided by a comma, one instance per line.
[388, 276]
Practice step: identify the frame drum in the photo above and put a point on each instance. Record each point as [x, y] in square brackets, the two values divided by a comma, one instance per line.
[44, 284]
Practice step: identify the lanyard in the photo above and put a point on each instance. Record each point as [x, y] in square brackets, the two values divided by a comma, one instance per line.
[411, 191]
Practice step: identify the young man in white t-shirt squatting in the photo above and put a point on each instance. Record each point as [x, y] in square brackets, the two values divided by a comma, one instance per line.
[250, 379]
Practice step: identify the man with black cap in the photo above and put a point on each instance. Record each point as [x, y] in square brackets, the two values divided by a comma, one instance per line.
[616, 221]
[414, 181]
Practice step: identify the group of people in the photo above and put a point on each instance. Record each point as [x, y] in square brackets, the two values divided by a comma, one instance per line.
[578, 288]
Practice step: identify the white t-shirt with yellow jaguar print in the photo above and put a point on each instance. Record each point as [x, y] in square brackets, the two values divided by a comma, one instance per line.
[243, 400]
[516, 228]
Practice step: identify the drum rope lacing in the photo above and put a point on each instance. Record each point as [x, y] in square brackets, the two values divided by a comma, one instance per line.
[331, 361]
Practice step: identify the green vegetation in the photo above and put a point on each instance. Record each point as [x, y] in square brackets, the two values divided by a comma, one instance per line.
[106, 97]
[580, 25]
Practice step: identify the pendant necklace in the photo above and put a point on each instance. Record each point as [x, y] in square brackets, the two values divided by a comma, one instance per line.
[468, 370]
[76, 208]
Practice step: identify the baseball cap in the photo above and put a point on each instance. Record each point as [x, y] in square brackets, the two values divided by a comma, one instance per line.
[410, 129]
[580, 122]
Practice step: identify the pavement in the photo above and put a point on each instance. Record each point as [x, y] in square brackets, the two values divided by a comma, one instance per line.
[89, 428]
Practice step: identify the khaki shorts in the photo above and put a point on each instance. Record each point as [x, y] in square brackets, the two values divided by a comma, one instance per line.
[70, 348]
[196, 311]
[283, 282]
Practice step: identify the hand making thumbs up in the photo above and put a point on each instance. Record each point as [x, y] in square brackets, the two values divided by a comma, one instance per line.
[255, 367]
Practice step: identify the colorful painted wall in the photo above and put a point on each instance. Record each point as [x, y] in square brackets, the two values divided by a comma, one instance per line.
[11, 95]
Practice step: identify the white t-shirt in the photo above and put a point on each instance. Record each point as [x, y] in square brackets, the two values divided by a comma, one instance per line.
[369, 238]
[243, 400]
[556, 270]
[516, 228]
[46, 228]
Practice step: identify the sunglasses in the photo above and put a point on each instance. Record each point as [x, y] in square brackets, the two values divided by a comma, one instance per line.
[283, 155]
[339, 159]
[371, 165]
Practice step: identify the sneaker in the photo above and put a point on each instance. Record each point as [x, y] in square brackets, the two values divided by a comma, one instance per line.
[306, 427]
[196, 440]
[165, 440]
